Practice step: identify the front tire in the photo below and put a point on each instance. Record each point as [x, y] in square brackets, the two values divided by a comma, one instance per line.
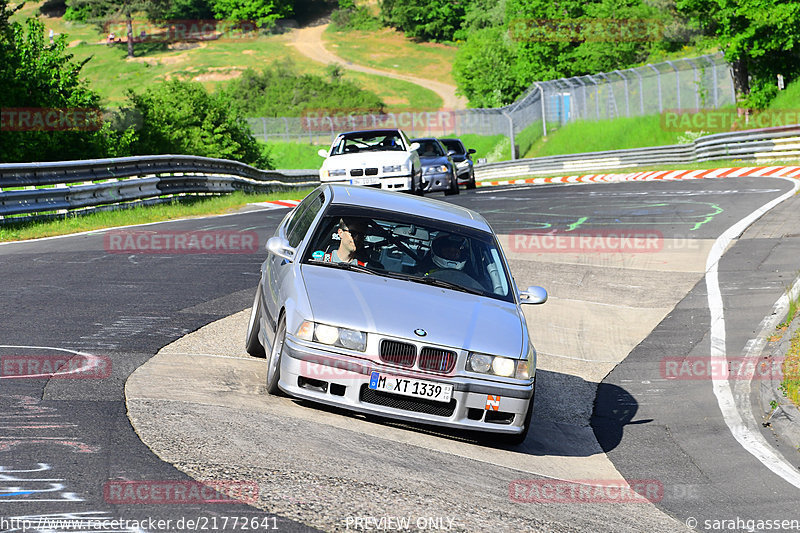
[253, 344]
[471, 183]
[453, 186]
[274, 359]
[416, 187]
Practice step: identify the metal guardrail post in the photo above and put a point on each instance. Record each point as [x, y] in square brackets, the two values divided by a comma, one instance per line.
[677, 82]
[641, 90]
[716, 81]
[596, 97]
[544, 111]
[696, 83]
[583, 89]
[511, 134]
[627, 90]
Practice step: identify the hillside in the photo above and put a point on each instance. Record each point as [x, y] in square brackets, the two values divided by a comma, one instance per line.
[211, 62]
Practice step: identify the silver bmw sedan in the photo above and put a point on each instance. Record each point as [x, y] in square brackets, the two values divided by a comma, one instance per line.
[397, 306]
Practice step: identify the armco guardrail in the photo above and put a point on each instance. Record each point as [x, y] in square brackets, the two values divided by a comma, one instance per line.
[762, 145]
[33, 189]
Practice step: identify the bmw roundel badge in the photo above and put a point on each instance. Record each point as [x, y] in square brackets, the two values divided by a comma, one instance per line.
[420, 332]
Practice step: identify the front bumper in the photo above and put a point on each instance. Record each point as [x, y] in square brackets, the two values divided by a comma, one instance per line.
[341, 380]
[436, 182]
[464, 173]
[392, 183]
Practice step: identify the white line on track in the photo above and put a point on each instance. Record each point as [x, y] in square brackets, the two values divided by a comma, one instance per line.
[743, 429]
[89, 365]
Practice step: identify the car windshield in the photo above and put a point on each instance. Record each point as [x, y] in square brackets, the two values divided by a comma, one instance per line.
[368, 142]
[429, 148]
[397, 246]
[454, 145]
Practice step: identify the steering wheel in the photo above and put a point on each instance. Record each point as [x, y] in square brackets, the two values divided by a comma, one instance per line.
[458, 277]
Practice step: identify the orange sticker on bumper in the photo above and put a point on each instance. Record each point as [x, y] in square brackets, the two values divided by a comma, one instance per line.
[492, 403]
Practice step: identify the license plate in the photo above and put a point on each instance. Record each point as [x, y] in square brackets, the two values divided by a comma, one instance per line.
[364, 181]
[416, 388]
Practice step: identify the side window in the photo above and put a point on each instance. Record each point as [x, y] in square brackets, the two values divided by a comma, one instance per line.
[302, 221]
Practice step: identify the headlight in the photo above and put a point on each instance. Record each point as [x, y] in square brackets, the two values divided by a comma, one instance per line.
[479, 362]
[502, 366]
[499, 366]
[336, 172]
[393, 168]
[326, 334]
[436, 169]
[333, 336]
[352, 339]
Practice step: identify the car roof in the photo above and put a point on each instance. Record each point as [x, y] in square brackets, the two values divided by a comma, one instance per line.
[360, 196]
[374, 132]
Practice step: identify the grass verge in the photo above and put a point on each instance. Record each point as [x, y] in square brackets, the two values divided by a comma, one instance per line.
[184, 208]
[295, 155]
[600, 135]
[788, 98]
[790, 386]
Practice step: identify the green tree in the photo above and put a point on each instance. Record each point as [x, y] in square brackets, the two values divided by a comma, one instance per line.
[264, 13]
[35, 77]
[545, 42]
[180, 117]
[189, 9]
[437, 20]
[103, 12]
[615, 34]
[760, 38]
[481, 14]
[484, 69]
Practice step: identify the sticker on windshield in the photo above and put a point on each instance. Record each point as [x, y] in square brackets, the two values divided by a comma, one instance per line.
[319, 254]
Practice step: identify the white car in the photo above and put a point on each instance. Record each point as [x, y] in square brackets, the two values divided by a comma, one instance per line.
[377, 158]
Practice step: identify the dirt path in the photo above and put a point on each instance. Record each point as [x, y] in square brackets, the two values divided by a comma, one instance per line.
[308, 42]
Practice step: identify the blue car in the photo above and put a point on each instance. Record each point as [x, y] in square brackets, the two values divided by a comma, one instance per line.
[463, 161]
[438, 169]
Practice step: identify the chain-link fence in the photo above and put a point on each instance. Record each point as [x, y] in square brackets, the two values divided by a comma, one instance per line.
[699, 83]
[322, 128]
[703, 82]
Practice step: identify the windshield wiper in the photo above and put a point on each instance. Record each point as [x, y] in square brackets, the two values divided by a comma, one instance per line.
[445, 284]
[346, 266]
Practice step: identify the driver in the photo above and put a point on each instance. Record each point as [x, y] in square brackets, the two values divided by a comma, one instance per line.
[449, 252]
[351, 242]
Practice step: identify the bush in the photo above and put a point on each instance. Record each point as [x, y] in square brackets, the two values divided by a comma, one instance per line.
[80, 12]
[436, 20]
[189, 9]
[180, 117]
[279, 91]
[354, 18]
[36, 74]
[53, 8]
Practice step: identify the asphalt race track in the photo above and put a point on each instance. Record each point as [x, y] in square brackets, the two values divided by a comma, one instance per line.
[607, 407]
